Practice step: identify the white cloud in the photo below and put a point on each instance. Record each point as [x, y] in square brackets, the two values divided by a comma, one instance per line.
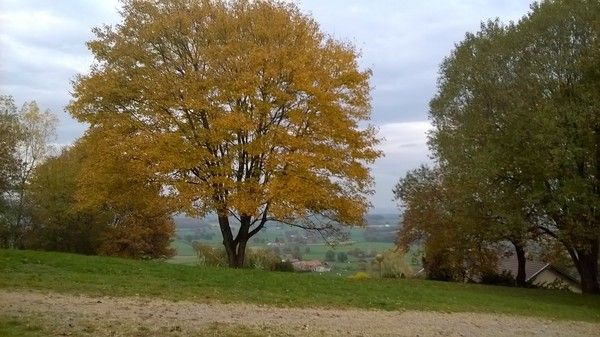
[405, 148]
[404, 138]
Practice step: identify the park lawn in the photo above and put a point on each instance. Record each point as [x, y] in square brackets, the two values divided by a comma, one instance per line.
[105, 276]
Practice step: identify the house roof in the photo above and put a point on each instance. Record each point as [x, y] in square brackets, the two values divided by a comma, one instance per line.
[532, 268]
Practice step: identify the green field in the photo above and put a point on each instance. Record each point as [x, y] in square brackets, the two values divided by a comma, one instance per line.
[310, 251]
[94, 275]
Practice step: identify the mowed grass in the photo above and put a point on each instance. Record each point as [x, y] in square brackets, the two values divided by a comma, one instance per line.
[104, 276]
[35, 326]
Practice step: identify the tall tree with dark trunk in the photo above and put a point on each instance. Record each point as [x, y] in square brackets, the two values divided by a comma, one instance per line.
[516, 118]
[234, 116]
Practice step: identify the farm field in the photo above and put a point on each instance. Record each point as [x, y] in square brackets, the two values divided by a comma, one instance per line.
[205, 231]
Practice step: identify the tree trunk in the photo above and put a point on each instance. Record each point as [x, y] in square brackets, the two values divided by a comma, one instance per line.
[585, 260]
[235, 247]
[587, 266]
[520, 279]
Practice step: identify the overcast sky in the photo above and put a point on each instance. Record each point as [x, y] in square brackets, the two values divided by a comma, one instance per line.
[42, 47]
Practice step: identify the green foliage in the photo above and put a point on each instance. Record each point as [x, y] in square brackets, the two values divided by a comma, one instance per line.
[263, 259]
[55, 222]
[59, 221]
[515, 137]
[330, 256]
[10, 134]
[25, 138]
[285, 266]
[394, 265]
[457, 240]
[210, 256]
[342, 257]
[505, 278]
[256, 258]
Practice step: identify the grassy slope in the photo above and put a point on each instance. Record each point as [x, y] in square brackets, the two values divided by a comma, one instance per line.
[69, 273]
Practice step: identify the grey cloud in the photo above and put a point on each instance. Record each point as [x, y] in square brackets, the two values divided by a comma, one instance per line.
[42, 47]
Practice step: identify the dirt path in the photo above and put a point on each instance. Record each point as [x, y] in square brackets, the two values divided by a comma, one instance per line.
[160, 315]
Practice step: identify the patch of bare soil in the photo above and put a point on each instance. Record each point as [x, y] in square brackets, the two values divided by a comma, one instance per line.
[115, 316]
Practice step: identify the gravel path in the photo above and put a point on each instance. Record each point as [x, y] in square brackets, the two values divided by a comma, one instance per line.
[188, 316]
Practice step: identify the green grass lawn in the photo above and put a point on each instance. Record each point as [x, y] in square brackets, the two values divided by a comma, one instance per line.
[94, 275]
[32, 326]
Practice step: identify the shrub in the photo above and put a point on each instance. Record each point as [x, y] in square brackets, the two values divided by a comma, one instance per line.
[285, 266]
[394, 265]
[505, 278]
[342, 257]
[356, 252]
[554, 285]
[211, 256]
[296, 254]
[438, 266]
[359, 276]
[258, 258]
[330, 256]
[261, 258]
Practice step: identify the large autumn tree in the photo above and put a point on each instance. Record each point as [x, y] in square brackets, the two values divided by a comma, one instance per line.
[242, 108]
[516, 120]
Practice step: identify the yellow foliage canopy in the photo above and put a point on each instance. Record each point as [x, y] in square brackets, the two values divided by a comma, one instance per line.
[239, 107]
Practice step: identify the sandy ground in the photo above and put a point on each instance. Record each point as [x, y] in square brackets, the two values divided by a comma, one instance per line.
[160, 315]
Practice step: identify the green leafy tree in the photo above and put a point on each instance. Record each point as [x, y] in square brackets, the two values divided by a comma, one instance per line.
[55, 223]
[516, 124]
[10, 135]
[457, 243]
[342, 257]
[28, 140]
[124, 217]
[479, 92]
[330, 256]
[235, 117]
